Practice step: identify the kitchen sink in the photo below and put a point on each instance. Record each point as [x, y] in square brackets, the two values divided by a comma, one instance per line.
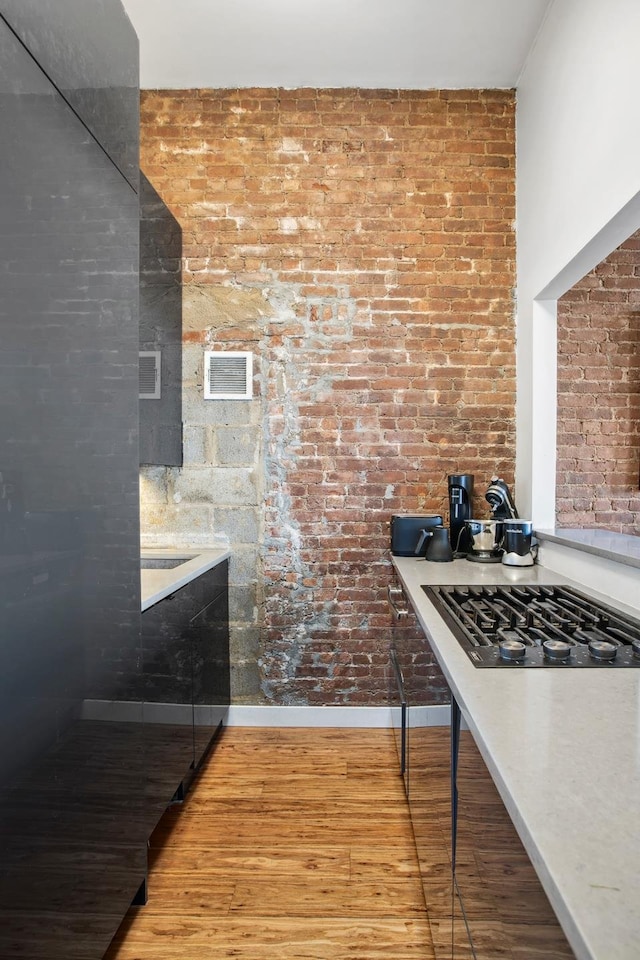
[162, 563]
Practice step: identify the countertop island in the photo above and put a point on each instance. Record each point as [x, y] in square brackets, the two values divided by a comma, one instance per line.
[563, 747]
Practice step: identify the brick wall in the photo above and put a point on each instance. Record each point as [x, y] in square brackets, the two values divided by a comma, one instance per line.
[599, 396]
[361, 244]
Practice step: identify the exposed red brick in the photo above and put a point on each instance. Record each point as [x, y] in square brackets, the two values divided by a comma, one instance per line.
[384, 220]
[598, 467]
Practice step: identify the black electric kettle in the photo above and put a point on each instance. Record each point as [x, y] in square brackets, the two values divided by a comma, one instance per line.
[438, 549]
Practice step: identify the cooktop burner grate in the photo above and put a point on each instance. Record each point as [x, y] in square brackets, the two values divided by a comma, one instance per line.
[537, 626]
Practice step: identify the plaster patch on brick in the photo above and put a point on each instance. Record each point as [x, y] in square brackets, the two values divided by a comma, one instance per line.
[208, 307]
[174, 150]
[220, 211]
[288, 225]
[283, 541]
[211, 209]
[293, 148]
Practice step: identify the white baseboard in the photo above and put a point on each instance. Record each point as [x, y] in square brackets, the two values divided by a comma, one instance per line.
[439, 715]
[265, 715]
[279, 716]
[134, 711]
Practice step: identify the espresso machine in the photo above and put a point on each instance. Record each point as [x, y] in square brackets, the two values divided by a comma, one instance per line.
[460, 510]
[499, 498]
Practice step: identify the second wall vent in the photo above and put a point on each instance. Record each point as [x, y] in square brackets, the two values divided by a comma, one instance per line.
[228, 376]
[149, 374]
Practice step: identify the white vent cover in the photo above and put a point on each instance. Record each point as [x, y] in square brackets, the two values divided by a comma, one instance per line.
[228, 376]
[149, 374]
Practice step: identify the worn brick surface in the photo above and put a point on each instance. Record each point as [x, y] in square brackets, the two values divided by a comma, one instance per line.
[599, 396]
[361, 244]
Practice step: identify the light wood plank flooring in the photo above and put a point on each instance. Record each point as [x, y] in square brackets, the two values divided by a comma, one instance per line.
[294, 844]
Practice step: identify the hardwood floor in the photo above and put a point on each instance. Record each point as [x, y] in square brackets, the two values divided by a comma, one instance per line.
[294, 844]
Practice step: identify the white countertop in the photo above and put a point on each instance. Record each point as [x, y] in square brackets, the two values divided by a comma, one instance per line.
[563, 747]
[158, 584]
[621, 547]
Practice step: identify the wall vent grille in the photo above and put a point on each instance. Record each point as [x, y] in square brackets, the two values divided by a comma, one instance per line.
[149, 374]
[228, 376]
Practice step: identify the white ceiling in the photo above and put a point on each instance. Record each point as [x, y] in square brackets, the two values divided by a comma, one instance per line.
[406, 44]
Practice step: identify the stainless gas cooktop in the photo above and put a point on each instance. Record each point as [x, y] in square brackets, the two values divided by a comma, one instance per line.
[537, 626]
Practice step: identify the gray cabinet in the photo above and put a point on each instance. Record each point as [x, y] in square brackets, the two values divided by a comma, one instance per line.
[430, 807]
[167, 708]
[185, 683]
[483, 897]
[209, 633]
[160, 330]
[424, 761]
[499, 905]
[398, 687]
[400, 709]
[71, 778]
[91, 55]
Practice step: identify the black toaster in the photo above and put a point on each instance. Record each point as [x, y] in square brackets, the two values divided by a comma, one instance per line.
[406, 529]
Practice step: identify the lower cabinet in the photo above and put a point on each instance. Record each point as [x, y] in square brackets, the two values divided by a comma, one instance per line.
[409, 668]
[499, 906]
[424, 762]
[185, 684]
[483, 897]
[399, 714]
[74, 824]
[430, 806]
[209, 633]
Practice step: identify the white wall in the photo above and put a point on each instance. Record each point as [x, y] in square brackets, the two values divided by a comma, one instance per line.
[578, 197]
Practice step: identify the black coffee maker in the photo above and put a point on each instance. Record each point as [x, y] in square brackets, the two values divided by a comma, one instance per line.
[460, 509]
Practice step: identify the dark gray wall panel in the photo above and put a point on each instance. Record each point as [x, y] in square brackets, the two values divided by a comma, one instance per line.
[90, 52]
[161, 326]
[71, 830]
